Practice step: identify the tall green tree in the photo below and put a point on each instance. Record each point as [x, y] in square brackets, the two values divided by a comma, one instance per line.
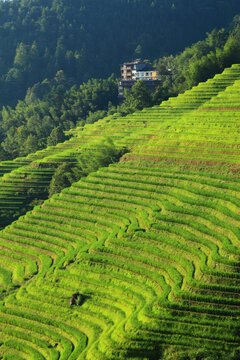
[57, 136]
[38, 38]
[137, 98]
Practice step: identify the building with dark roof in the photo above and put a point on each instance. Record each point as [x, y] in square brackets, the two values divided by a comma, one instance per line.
[136, 70]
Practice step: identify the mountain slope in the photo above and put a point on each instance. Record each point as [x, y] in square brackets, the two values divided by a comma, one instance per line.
[38, 38]
[150, 244]
[31, 175]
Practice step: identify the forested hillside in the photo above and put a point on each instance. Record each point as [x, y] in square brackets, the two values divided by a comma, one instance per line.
[49, 107]
[91, 38]
[119, 224]
[138, 260]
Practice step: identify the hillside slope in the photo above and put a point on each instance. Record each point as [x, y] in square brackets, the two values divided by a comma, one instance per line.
[40, 37]
[150, 244]
[31, 175]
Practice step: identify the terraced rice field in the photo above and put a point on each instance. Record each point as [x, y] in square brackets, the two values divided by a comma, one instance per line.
[151, 243]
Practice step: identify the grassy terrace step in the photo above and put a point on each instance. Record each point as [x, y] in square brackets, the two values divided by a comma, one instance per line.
[144, 267]
[202, 125]
[125, 132]
[16, 188]
[152, 246]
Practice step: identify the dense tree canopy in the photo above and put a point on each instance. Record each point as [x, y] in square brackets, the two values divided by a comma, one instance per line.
[48, 108]
[40, 37]
[49, 47]
[34, 125]
[201, 61]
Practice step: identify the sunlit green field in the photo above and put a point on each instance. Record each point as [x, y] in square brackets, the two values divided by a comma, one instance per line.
[152, 243]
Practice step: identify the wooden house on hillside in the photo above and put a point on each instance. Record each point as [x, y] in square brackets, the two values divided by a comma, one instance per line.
[134, 71]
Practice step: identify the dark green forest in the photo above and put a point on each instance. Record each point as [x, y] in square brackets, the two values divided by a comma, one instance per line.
[50, 107]
[34, 124]
[57, 60]
[90, 38]
[59, 69]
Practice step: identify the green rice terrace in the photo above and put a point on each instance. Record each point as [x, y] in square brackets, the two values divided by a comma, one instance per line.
[140, 259]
